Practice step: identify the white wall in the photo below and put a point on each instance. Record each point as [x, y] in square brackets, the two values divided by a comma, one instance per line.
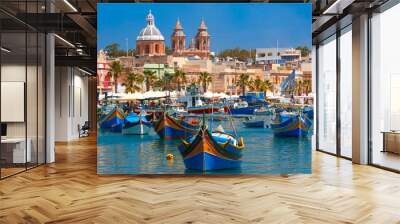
[71, 102]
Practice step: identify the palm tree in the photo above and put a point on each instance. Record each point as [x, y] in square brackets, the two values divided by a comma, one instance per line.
[133, 82]
[204, 80]
[116, 70]
[267, 86]
[164, 83]
[257, 84]
[243, 82]
[180, 78]
[299, 87]
[149, 78]
[307, 86]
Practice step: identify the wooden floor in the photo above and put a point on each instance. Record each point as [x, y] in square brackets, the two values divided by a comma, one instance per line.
[70, 191]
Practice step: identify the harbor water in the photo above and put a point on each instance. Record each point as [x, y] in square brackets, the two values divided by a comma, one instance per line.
[264, 153]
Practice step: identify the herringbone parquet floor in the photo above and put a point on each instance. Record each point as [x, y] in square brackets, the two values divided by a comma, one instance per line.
[69, 191]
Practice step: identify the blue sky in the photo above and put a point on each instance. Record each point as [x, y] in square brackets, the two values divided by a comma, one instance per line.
[245, 25]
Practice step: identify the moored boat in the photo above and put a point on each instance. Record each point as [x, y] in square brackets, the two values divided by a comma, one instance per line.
[113, 120]
[212, 151]
[254, 124]
[263, 111]
[168, 127]
[290, 125]
[309, 112]
[135, 124]
[241, 108]
[207, 109]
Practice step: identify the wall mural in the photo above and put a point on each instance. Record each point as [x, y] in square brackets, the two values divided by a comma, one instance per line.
[204, 88]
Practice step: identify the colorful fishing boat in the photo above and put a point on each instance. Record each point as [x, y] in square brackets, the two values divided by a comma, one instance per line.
[308, 112]
[207, 109]
[291, 125]
[168, 127]
[135, 124]
[254, 124]
[241, 108]
[212, 151]
[113, 121]
[263, 111]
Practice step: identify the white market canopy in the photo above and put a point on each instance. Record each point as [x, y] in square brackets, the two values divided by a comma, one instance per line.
[140, 96]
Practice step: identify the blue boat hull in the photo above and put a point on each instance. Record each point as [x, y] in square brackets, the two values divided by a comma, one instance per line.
[294, 133]
[206, 162]
[211, 151]
[116, 127]
[169, 128]
[115, 121]
[171, 133]
[294, 126]
[254, 124]
[112, 121]
[136, 129]
[242, 111]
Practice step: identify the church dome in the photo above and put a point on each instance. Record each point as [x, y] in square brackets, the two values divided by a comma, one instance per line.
[150, 32]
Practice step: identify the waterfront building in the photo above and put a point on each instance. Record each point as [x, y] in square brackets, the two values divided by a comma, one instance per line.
[159, 69]
[104, 79]
[277, 55]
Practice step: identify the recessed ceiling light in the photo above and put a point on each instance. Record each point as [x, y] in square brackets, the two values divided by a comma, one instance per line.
[70, 5]
[5, 50]
[86, 72]
[64, 40]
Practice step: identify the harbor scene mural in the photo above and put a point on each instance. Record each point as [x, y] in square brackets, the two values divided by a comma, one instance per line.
[204, 89]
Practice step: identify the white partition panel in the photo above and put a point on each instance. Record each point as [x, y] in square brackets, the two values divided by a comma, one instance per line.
[12, 101]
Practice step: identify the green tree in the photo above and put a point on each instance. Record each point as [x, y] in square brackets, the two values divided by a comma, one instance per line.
[164, 83]
[267, 86]
[305, 51]
[180, 78]
[241, 54]
[204, 80]
[168, 51]
[256, 85]
[307, 86]
[113, 50]
[150, 78]
[116, 69]
[243, 82]
[133, 82]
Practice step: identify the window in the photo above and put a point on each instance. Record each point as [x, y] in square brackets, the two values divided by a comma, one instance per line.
[346, 92]
[327, 96]
[22, 66]
[385, 89]
[157, 49]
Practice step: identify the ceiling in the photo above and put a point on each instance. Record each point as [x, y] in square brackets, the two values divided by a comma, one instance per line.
[73, 21]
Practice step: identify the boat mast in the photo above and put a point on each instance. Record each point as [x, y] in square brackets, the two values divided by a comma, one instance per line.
[212, 107]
